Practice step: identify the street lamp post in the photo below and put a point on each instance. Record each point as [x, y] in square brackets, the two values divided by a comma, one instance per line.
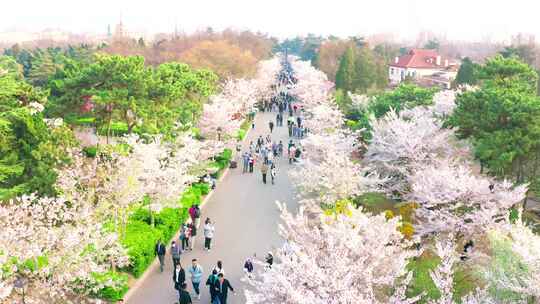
[20, 283]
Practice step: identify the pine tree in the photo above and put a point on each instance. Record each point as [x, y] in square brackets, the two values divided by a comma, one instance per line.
[346, 74]
[466, 73]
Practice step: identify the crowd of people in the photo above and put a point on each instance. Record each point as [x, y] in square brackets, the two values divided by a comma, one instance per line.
[263, 154]
[218, 286]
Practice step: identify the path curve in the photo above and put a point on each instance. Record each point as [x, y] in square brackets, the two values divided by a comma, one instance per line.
[245, 215]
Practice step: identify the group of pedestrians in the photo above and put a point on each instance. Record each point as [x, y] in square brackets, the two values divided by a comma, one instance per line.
[264, 152]
[218, 285]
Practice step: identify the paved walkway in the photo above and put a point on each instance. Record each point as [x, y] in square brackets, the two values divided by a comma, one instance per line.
[245, 215]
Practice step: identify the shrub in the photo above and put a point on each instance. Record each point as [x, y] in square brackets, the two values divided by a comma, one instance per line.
[140, 239]
[90, 151]
[168, 221]
[203, 187]
[116, 285]
[407, 229]
[192, 196]
[241, 134]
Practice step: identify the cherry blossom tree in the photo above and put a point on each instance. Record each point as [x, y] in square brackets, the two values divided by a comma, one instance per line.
[61, 241]
[323, 118]
[453, 199]
[402, 142]
[337, 259]
[224, 114]
[519, 247]
[443, 277]
[161, 169]
[218, 119]
[334, 178]
[318, 146]
[312, 88]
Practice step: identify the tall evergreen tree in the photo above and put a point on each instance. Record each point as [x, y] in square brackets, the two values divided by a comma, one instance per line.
[467, 72]
[346, 74]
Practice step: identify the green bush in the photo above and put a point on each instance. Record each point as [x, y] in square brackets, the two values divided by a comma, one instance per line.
[241, 134]
[223, 159]
[140, 240]
[90, 151]
[117, 129]
[203, 187]
[168, 221]
[192, 196]
[111, 293]
[422, 282]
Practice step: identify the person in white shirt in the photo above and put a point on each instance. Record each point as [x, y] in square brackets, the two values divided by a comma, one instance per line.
[208, 234]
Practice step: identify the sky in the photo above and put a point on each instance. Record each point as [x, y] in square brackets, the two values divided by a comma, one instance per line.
[457, 19]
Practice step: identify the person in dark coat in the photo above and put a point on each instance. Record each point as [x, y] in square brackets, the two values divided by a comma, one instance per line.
[222, 287]
[179, 277]
[248, 267]
[185, 298]
[211, 282]
[160, 251]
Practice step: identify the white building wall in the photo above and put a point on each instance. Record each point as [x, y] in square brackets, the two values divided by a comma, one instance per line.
[397, 74]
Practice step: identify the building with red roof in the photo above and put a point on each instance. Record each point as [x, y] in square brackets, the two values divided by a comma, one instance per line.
[422, 65]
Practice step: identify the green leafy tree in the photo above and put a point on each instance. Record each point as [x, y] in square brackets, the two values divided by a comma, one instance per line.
[404, 96]
[467, 73]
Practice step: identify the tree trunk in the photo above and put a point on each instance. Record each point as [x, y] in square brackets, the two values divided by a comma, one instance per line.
[109, 128]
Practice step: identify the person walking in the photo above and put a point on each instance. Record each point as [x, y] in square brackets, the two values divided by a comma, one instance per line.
[196, 273]
[160, 251]
[184, 237]
[245, 159]
[264, 171]
[269, 259]
[280, 148]
[192, 234]
[175, 253]
[290, 129]
[273, 173]
[299, 121]
[219, 267]
[195, 214]
[271, 126]
[184, 298]
[251, 163]
[208, 233]
[179, 277]
[248, 267]
[292, 152]
[222, 288]
[277, 119]
[211, 283]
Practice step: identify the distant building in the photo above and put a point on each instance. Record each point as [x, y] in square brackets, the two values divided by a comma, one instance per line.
[426, 67]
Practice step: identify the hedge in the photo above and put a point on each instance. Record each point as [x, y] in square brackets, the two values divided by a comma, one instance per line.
[140, 240]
